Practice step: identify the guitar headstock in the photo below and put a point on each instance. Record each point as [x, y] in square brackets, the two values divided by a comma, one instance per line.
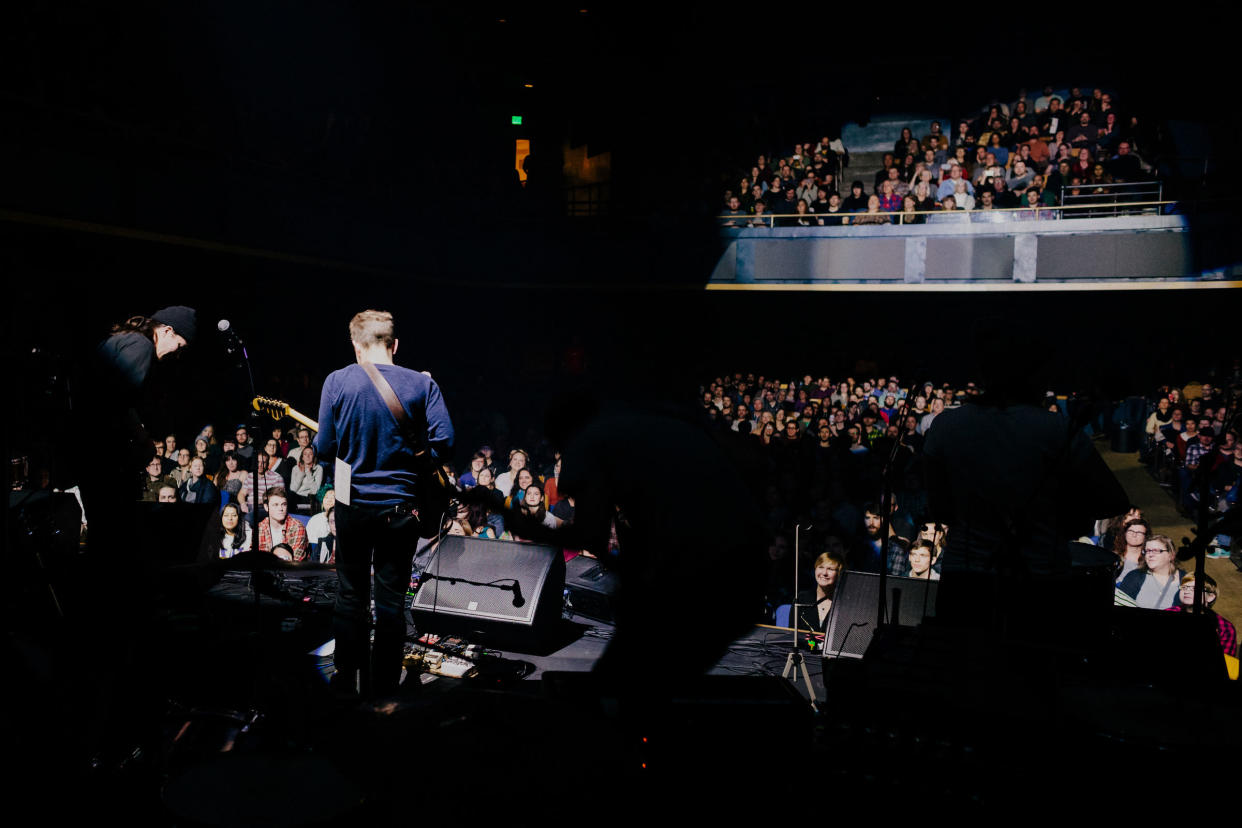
[275, 408]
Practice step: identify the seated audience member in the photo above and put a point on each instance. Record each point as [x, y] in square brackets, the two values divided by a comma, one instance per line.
[856, 201]
[282, 441]
[197, 488]
[268, 480]
[211, 459]
[924, 197]
[812, 606]
[922, 554]
[278, 528]
[325, 548]
[890, 202]
[521, 482]
[470, 479]
[872, 215]
[1128, 545]
[245, 448]
[1154, 584]
[231, 478]
[760, 217]
[317, 526]
[307, 479]
[518, 459]
[909, 211]
[550, 485]
[1186, 600]
[1001, 197]
[182, 470]
[532, 505]
[735, 215]
[226, 537]
[275, 460]
[963, 199]
[155, 480]
[832, 215]
[949, 185]
[168, 493]
[494, 520]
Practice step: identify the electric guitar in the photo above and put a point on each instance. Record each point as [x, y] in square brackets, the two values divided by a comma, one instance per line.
[435, 492]
[278, 409]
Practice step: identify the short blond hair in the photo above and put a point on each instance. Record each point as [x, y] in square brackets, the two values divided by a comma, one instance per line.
[372, 327]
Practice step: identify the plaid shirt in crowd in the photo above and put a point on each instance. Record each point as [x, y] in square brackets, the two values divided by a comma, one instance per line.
[1195, 452]
[1224, 628]
[295, 536]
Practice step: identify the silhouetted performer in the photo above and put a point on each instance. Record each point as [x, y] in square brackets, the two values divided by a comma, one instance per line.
[691, 546]
[380, 525]
[112, 607]
[1014, 483]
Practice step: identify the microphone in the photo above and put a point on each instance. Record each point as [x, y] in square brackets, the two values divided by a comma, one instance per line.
[518, 600]
[233, 345]
[231, 340]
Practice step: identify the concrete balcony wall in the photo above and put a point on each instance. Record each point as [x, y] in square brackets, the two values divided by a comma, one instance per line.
[1090, 250]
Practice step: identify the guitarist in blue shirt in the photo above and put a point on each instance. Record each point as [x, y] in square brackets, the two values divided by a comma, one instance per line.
[385, 509]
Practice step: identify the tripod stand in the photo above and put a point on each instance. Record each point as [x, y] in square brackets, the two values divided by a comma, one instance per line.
[795, 661]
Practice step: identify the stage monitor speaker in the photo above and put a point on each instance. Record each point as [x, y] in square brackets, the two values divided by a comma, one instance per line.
[851, 623]
[499, 591]
[591, 588]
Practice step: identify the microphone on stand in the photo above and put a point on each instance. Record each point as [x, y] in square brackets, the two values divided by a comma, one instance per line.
[231, 340]
[233, 344]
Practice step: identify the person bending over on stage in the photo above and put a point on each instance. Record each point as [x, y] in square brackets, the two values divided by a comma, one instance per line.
[1155, 583]
[119, 690]
[815, 604]
[278, 528]
[378, 517]
[1186, 600]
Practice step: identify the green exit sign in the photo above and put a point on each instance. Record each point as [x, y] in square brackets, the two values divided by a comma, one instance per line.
[516, 120]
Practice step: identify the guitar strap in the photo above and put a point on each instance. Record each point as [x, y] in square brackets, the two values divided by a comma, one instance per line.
[394, 406]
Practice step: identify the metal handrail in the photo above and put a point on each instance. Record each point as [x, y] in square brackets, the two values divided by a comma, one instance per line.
[770, 218]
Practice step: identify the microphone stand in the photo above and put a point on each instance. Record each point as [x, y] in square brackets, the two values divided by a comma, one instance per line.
[795, 661]
[236, 348]
[886, 507]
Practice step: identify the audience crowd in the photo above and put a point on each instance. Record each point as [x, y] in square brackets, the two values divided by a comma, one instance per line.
[1030, 155]
[813, 450]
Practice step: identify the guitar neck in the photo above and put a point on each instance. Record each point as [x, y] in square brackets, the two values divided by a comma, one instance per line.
[278, 409]
[303, 419]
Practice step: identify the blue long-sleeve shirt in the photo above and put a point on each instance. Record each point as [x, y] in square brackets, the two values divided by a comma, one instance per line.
[356, 426]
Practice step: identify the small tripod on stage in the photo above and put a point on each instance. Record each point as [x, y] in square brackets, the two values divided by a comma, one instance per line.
[795, 661]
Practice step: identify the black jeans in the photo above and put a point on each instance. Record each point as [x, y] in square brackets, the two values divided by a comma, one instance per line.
[368, 535]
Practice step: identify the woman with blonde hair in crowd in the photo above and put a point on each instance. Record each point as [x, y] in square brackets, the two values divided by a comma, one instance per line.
[815, 604]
